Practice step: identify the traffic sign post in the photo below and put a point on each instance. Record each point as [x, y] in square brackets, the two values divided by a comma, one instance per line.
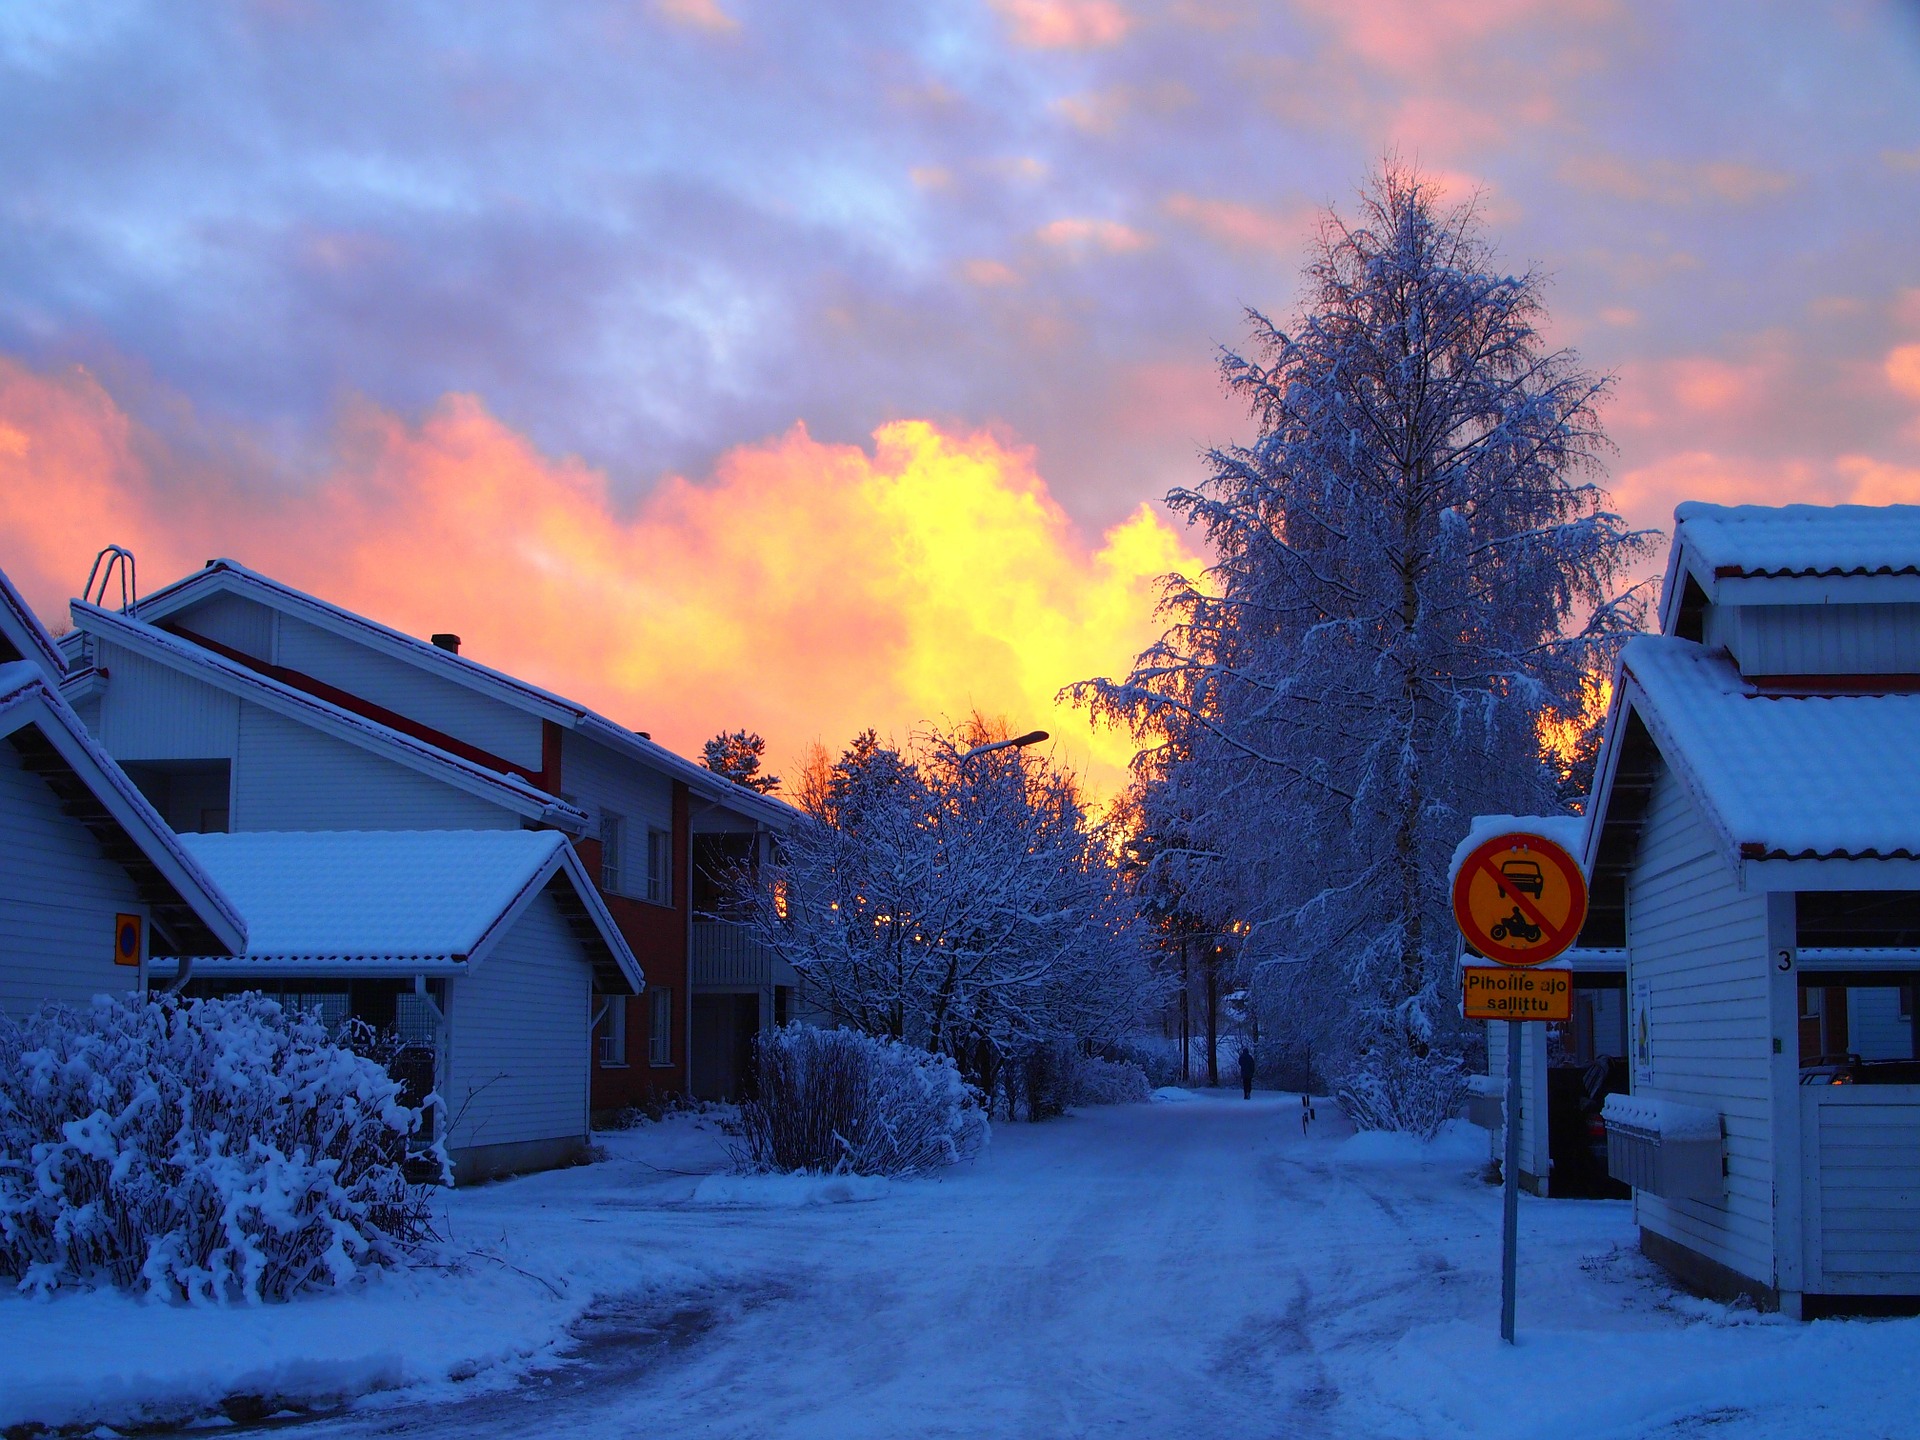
[1520, 901]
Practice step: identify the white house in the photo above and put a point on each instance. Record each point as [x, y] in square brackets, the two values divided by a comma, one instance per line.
[485, 945]
[92, 882]
[230, 689]
[1756, 817]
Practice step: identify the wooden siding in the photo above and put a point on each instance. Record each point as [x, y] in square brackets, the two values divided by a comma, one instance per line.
[1876, 1030]
[152, 712]
[289, 777]
[1861, 1158]
[1819, 639]
[517, 1062]
[244, 625]
[454, 709]
[1702, 946]
[58, 899]
[597, 779]
[1534, 1151]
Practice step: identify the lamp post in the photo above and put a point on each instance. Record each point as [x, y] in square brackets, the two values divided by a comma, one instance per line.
[1032, 737]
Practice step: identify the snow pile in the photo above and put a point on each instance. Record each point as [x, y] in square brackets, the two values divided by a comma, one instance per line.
[208, 1150]
[1173, 1095]
[837, 1102]
[1667, 1119]
[1569, 832]
[1455, 1142]
[1109, 1082]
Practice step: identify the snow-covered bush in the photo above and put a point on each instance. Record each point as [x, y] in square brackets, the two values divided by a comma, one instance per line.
[204, 1150]
[1398, 1091]
[838, 1102]
[1109, 1082]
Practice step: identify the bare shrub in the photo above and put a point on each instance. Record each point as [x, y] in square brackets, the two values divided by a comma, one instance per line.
[204, 1150]
[835, 1102]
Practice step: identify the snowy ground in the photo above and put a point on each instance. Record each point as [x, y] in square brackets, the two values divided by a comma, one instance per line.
[1162, 1270]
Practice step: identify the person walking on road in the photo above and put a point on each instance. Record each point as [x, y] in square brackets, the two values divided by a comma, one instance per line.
[1246, 1072]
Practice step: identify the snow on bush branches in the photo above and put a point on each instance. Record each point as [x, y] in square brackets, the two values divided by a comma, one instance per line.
[836, 1102]
[205, 1150]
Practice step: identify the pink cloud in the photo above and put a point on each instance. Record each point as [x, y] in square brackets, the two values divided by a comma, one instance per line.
[989, 273]
[1065, 24]
[1409, 37]
[1241, 226]
[1675, 183]
[1876, 482]
[1077, 233]
[700, 14]
[1903, 370]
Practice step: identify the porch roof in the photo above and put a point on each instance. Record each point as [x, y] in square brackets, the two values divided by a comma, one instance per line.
[1782, 776]
[402, 901]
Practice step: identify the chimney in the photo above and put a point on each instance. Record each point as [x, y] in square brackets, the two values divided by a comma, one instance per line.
[448, 643]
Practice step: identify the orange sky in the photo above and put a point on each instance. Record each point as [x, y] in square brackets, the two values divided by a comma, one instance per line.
[804, 590]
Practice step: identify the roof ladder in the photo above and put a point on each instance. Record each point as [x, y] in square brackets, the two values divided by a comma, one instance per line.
[115, 559]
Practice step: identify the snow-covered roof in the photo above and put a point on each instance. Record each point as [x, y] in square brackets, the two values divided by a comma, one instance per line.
[22, 636]
[1567, 831]
[504, 788]
[1801, 539]
[1792, 554]
[232, 577]
[188, 909]
[1781, 776]
[397, 902]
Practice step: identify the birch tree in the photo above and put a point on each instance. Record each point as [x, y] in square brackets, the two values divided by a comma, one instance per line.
[1412, 564]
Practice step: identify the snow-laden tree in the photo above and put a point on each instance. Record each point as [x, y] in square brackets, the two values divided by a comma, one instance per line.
[1412, 567]
[955, 898]
[738, 755]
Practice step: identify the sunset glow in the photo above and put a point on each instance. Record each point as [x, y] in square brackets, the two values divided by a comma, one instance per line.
[804, 590]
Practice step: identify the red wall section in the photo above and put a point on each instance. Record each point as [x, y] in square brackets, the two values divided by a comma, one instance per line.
[658, 936]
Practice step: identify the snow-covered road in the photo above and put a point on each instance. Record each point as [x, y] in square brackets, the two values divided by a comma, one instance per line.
[1165, 1271]
[1159, 1271]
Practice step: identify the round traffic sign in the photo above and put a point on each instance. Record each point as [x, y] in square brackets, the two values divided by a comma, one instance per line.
[1520, 899]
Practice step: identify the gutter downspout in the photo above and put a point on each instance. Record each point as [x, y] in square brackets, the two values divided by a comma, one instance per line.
[181, 977]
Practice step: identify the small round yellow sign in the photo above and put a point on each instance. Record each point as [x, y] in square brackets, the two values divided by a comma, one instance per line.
[1520, 899]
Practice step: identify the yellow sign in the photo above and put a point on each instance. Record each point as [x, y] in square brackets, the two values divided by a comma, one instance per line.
[1520, 899]
[1503, 993]
[126, 939]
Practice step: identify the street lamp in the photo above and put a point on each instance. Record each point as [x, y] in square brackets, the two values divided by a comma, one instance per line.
[1032, 737]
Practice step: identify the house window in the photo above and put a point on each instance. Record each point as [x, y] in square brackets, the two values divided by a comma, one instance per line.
[611, 1035]
[660, 1027]
[659, 867]
[612, 833]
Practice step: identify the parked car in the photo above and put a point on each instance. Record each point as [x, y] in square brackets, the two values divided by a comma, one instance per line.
[1852, 1070]
[1576, 1135]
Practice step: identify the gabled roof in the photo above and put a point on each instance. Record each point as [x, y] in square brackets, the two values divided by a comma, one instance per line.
[22, 636]
[404, 902]
[1714, 544]
[1779, 777]
[190, 914]
[155, 644]
[231, 577]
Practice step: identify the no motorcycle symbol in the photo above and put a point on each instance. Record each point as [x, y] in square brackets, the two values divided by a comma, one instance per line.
[1520, 899]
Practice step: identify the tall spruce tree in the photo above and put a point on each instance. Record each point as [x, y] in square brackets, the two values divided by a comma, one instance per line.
[1412, 566]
